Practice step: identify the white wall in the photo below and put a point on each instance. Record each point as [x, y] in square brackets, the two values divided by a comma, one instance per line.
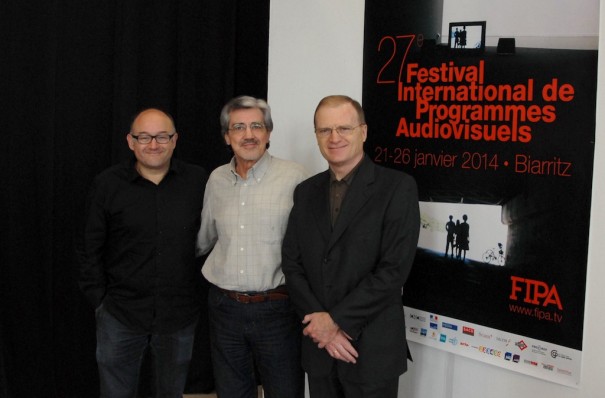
[316, 50]
[533, 23]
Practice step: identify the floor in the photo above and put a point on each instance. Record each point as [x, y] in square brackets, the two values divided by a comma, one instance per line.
[260, 395]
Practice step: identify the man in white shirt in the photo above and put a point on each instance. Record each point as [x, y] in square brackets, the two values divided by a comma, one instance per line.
[246, 208]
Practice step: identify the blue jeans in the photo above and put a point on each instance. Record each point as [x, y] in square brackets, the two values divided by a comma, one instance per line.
[120, 352]
[266, 335]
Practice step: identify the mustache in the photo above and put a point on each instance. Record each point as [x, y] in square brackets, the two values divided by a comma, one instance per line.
[230, 149]
[249, 141]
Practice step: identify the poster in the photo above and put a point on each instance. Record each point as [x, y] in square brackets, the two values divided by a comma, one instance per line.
[501, 146]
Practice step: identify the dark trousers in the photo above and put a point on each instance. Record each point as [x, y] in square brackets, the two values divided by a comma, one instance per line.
[332, 387]
[265, 336]
[120, 352]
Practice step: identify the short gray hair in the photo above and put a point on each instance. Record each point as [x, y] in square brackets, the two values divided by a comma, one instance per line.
[246, 102]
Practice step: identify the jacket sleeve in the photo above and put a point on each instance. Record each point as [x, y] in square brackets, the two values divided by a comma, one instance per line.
[297, 283]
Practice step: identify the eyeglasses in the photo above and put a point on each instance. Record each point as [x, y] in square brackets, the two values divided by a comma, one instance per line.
[146, 138]
[343, 131]
[241, 128]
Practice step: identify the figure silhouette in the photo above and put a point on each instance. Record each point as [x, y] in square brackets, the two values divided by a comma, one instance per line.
[462, 238]
[450, 227]
[456, 232]
[462, 35]
[456, 38]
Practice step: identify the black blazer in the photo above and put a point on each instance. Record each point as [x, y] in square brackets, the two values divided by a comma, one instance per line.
[356, 270]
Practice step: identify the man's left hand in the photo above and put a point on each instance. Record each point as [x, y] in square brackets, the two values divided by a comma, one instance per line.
[320, 327]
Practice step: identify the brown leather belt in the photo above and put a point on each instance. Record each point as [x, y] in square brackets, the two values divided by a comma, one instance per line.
[279, 293]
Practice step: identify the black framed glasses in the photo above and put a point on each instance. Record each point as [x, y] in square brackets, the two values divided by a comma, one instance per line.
[146, 138]
[240, 128]
[343, 131]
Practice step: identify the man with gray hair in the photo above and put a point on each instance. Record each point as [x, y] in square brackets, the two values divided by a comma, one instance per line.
[246, 208]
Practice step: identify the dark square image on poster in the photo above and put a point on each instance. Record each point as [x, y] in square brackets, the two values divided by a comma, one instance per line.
[466, 37]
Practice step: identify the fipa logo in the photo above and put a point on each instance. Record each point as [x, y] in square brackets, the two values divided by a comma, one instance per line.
[535, 292]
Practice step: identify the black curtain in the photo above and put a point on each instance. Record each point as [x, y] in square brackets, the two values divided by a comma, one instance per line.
[72, 74]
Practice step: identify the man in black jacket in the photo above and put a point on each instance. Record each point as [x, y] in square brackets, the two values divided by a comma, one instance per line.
[348, 250]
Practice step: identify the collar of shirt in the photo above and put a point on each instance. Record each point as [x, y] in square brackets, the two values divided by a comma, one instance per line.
[338, 191]
[133, 174]
[348, 179]
[257, 172]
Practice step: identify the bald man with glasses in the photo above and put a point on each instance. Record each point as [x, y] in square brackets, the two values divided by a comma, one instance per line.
[138, 264]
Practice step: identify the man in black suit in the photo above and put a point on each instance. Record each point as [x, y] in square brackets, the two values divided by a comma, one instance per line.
[348, 250]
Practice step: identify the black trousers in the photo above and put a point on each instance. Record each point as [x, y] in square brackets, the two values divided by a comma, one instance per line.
[333, 387]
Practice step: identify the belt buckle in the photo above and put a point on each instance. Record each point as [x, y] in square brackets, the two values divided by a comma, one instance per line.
[243, 298]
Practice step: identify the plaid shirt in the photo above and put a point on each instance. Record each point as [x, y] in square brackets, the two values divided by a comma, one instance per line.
[244, 221]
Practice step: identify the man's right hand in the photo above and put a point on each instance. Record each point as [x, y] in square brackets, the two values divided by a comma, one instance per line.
[341, 348]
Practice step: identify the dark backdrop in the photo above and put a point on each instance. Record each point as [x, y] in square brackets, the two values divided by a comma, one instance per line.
[72, 73]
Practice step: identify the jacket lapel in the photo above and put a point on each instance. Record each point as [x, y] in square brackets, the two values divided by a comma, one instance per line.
[320, 205]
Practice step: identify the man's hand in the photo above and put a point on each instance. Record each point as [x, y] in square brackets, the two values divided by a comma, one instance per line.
[327, 334]
[340, 348]
[320, 327]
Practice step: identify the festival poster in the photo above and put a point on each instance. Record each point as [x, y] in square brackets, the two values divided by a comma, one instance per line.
[501, 146]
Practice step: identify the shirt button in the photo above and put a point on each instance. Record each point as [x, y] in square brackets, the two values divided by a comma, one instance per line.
[241, 227]
[241, 249]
